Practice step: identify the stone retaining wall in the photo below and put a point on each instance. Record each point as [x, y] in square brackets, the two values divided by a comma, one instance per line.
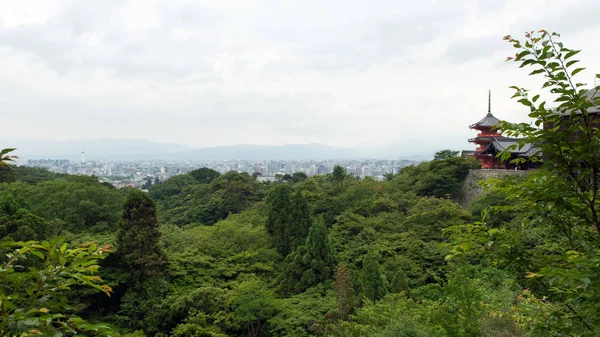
[471, 188]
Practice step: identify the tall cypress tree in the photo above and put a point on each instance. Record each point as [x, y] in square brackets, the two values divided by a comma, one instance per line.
[290, 279]
[343, 290]
[279, 216]
[399, 282]
[140, 252]
[309, 264]
[319, 260]
[297, 230]
[138, 237]
[338, 174]
[373, 281]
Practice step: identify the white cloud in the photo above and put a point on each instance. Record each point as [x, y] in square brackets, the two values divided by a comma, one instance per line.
[205, 73]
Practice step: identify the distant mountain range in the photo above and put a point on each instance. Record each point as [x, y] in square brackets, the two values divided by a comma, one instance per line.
[284, 152]
[142, 149]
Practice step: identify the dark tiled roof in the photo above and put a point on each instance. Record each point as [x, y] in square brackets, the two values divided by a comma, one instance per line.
[593, 94]
[589, 95]
[528, 149]
[488, 121]
[531, 152]
[490, 138]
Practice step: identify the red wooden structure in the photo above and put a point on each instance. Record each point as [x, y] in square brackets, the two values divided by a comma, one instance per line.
[486, 135]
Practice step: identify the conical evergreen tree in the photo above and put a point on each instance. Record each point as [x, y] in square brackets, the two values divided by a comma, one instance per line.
[344, 291]
[290, 279]
[309, 264]
[138, 237]
[338, 174]
[399, 282]
[319, 258]
[279, 216]
[374, 283]
[297, 230]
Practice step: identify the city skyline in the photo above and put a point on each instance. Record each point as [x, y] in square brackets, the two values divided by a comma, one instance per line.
[137, 173]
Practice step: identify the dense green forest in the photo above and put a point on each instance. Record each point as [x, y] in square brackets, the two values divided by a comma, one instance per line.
[209, 254]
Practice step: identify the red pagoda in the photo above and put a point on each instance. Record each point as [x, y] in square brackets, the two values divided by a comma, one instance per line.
[486, 136]
[490, 143]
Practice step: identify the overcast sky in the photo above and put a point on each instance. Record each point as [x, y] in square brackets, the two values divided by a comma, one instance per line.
[221, 72]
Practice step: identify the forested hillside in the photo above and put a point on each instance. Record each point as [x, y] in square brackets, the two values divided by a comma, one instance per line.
[209, 254]
[205, 254]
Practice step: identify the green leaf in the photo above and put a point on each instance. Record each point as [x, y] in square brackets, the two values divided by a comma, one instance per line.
[527, 62]
[523, 54]
[577, 71]
[38, 254]
[538, 71]
[5, 151]
[546, 49]
[570, 63]
[524, 101]
[571, 54]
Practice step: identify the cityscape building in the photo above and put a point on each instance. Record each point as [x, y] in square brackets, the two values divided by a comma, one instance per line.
[121, 173]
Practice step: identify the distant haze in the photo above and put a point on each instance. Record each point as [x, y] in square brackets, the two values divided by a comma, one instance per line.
[392, 77]
[94, 148]
[132, 149]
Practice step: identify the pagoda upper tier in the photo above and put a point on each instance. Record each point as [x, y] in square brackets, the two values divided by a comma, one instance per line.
[490, 142]
[487, 132]
[486, 123]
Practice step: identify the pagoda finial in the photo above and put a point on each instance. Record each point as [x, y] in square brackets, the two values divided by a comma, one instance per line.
[490, 102]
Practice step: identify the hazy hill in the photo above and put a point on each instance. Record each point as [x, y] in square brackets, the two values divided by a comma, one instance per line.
[290, 151]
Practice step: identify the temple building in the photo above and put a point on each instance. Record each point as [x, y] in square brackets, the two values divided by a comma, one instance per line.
[490, 142]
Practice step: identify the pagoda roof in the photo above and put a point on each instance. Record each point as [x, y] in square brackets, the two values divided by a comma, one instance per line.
[592, 94]
[488, 121]
[488, 138]
[528, 149]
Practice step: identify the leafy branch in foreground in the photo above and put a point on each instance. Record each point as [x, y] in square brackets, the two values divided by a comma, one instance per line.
[5, 157]
[552, 246]
[35, 279]
[566, 135]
